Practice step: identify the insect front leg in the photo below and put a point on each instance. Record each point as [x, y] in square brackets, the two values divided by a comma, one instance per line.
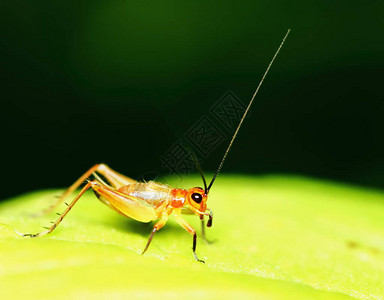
[203, 232]
[190, 229]
[158, 226]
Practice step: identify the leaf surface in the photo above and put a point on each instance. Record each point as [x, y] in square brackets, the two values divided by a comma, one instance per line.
[275, 237]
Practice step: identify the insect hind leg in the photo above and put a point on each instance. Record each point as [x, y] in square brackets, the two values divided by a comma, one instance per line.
[62, 216]
[114, 179]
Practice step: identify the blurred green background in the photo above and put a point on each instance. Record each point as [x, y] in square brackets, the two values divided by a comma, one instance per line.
[121, 81]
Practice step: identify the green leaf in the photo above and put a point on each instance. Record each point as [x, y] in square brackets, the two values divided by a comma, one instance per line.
[274, 238]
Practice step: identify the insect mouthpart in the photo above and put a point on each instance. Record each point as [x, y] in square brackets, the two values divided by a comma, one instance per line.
[210, 220]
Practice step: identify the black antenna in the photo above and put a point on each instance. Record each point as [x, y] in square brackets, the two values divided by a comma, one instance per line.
[198, 167]
[246, 111]
[203, 177]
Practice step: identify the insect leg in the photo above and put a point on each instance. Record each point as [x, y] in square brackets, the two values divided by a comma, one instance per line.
[115, 180]
[57, 222]
[191, 230]
[127, 205]
[157, 227]
[209, 224]
[203, 232]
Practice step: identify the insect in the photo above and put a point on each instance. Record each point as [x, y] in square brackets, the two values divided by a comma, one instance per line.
[149, 201]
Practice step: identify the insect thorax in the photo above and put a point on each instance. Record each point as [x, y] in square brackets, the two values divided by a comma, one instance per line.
[178, 197]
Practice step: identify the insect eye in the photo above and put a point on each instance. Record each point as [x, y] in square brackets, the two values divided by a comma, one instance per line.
[197, 197]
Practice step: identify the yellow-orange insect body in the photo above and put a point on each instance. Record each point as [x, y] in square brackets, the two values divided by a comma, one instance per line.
[148, 201]
[141, 201]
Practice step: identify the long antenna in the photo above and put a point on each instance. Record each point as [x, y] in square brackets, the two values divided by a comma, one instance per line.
[198, 167]
[246, 111]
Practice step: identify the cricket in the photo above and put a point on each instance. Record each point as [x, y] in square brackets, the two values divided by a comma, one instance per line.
[149, 201]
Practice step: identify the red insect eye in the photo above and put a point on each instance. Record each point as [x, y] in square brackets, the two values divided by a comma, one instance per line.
[197, 197]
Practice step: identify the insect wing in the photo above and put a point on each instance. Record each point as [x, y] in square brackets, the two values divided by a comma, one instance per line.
[130, 206]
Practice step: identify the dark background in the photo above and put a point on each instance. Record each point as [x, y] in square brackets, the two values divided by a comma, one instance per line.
[121, 81]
